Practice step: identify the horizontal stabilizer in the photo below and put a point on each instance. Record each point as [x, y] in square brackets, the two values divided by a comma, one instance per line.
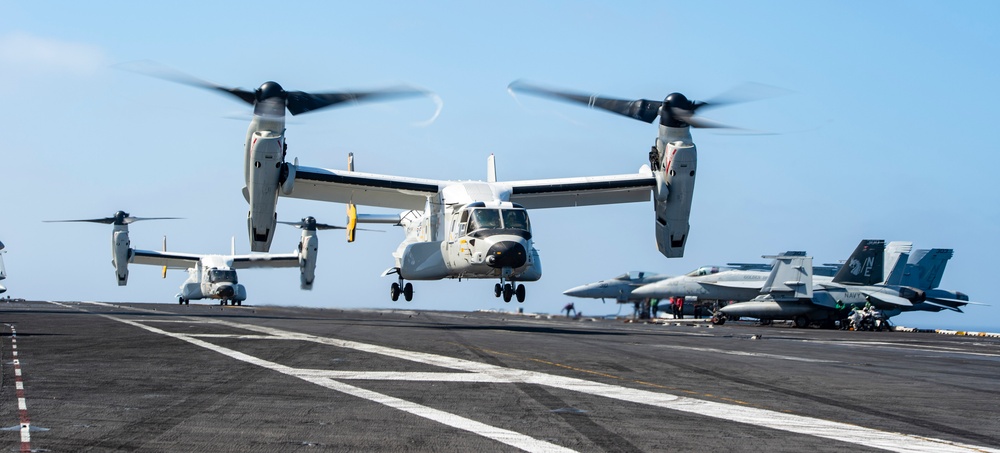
[887, 298]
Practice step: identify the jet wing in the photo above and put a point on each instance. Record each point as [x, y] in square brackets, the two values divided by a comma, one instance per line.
[582, 191]
[171, 260]
[265, 260]
[368, 189]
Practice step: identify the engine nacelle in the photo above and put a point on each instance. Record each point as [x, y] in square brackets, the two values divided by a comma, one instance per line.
[674, 192]
[308, 252]
[121, 254]
[266, 160]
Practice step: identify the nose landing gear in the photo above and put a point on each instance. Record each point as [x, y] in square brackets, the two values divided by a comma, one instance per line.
[509, 291]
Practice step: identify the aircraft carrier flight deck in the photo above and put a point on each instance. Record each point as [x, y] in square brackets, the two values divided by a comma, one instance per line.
[88, 376]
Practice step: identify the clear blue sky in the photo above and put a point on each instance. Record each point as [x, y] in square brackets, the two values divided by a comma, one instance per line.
[888, 131]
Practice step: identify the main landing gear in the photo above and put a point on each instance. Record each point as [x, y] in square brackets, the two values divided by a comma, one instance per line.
[183, 301]
[398, 288]
[508, 290]
[230, 302]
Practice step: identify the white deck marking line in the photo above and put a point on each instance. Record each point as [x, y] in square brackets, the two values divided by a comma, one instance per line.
[22, 402]
[749, 354]
[508, 437]
[800, 424]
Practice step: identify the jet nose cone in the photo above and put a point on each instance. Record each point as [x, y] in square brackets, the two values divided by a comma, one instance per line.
[644, 291]
[225, 291]
[578, 291]
[506, 254]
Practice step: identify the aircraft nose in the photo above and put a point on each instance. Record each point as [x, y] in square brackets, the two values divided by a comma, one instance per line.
[645, 291]
[578, 291]
[225, 291]
[506, 254]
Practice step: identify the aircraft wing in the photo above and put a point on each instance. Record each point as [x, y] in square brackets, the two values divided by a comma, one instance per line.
[582, 191]
[265, 260]
[171, 260]
[368, 189]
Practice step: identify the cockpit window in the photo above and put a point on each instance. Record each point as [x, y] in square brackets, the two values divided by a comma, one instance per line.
[221, 276]
[516, 219]
[484, 218]
[704, 270]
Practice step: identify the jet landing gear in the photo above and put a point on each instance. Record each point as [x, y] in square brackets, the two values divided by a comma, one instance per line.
[399, 288]
[183, 301]
[508, 291]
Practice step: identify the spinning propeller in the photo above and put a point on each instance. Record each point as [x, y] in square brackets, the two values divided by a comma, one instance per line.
[295, 101]
[120, 218]
[310, 224]
[676, 110]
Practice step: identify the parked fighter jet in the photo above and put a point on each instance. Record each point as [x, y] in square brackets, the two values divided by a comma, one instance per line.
[619, 288]
[735, 282]
[210, 276]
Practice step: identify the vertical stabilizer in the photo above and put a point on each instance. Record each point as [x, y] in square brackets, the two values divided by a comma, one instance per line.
[790, 278]
[491, 168]
[893, 252]
[926, 267]
[864, 267]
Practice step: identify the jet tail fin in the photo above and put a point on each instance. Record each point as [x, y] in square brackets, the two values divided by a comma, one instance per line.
[926, 267]
[896, 255]
[864, 266]
[791, 277]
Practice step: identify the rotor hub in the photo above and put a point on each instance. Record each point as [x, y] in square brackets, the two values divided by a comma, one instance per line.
[270, 90]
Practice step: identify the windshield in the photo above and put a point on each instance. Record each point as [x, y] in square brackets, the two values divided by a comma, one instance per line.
[516, 219]
[218, 275]
[704, 270]
[485, 218]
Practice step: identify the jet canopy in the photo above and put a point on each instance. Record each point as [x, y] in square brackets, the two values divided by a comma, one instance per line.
[707, 270]
[633, 275]
[221, 276]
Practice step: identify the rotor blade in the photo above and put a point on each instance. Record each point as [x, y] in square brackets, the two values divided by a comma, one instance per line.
[688, 117]
[640, 109]
[106, 220]
[131, 219]
[153, 69]
[746, 92]
[302, 102]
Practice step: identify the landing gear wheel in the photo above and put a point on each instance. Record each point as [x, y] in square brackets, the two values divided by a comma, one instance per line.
[180, 300]
[801, 321]
[239, 302]
[408, 291]
[519, 292]
[497, 290]
[719, 320]
[394, 291]
[508, 291]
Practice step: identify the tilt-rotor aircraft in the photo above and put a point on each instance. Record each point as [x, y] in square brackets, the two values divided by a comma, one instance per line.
[463, 229]
[209, 276]
[480, 229]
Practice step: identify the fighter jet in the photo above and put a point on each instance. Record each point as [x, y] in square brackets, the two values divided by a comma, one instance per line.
[735, 282]
[619, 288]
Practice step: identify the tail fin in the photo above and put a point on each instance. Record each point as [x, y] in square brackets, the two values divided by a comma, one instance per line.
[926, 267]
[791, 277]
[864, 267]
[896, 254]
[491, 169]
